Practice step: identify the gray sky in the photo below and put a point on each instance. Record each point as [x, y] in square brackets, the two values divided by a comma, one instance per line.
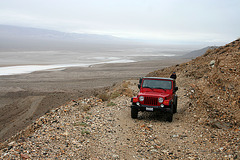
[198, 21]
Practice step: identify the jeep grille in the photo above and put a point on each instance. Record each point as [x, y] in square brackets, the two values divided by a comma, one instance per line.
[151, 101]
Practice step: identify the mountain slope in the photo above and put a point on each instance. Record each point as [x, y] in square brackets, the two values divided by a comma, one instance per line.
[198, 53]
[214, 80]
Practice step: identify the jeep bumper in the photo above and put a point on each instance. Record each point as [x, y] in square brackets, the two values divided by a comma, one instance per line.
[152, 108]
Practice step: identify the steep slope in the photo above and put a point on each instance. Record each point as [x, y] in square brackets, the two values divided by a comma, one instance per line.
[214, 80]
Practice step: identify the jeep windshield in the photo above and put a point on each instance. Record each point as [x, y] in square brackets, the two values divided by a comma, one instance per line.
[157, 84]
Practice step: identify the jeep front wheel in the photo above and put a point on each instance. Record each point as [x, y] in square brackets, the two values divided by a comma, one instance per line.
[134, 113]
[170, 117]
[170, 114]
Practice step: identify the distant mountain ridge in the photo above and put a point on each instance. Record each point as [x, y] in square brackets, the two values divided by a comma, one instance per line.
[10, 31]
[24, 38]
[16, 38]
[197, 53]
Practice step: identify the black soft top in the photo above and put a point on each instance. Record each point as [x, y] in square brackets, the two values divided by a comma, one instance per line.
[163, 78]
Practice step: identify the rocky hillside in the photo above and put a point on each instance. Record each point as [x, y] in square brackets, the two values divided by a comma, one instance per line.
[214, 79]
[206, 126]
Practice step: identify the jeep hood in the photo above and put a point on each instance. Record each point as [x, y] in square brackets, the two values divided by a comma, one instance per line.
[154, 94]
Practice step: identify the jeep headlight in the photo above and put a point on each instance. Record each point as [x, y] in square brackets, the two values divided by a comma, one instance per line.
[160, 100]
[141, 98]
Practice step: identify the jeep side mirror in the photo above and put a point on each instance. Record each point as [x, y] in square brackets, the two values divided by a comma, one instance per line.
[176, 88]
[139, 86]
[140, 82]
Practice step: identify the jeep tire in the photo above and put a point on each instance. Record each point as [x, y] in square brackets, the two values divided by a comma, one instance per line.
[134, 112]
[170, 114]
[169, 117]
[175, 105]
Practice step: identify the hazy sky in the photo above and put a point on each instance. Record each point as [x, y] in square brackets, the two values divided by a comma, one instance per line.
[205, 21]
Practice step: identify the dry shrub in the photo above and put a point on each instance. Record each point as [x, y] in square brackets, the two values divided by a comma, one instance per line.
[104, 96]
[125, 84]
[127, 92]
[115, 94]
[80, 124]
[111, 104]
[83, 132]
[86, 107]
[122, 90]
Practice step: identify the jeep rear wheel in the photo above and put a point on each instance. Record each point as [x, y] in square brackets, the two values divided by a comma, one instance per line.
[134, 113]
[175, 105]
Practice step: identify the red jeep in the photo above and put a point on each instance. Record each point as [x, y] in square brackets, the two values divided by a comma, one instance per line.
[156, 94]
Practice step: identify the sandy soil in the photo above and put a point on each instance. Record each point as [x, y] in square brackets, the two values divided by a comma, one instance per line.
[23, 98]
